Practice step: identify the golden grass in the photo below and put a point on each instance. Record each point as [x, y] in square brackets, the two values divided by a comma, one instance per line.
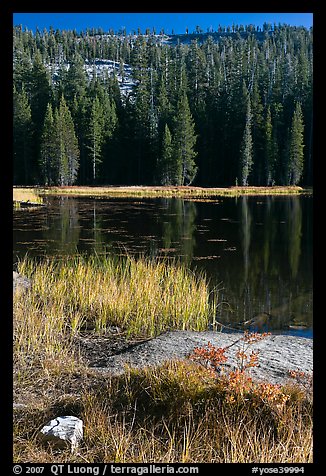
[171, 191]
[140, 296]
[26, 195]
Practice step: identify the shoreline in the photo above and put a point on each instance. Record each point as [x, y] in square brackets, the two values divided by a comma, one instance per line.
[186, 192]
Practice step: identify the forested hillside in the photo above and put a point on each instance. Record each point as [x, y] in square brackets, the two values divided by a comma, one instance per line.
[215, 109]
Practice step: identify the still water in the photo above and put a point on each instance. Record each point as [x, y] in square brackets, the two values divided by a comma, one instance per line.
[257, 251]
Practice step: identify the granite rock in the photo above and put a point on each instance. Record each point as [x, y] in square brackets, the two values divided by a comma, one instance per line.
[278, 354]
[63, 432]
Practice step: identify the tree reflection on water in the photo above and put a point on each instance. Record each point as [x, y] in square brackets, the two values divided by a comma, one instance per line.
[257, 250]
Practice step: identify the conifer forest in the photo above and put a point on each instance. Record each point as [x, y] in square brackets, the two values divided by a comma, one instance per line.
[226, 107]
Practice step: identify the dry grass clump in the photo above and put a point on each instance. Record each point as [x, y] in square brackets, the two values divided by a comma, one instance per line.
[177, 412]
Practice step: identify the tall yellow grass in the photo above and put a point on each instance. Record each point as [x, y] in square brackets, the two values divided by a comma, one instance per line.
[141, 296]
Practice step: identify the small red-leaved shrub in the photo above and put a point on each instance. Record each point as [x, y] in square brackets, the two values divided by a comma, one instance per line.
[236, 384]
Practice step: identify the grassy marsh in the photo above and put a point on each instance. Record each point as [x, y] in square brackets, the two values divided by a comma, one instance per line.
[170, 191]
[176, 412]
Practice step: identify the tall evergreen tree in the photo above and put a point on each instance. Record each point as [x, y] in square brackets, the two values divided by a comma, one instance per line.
[22, 66]
[296, 155]
[95, 136]
[163, 105]
[278, 124]
[269, 149]
[49, 151]
[110, 134]
[22, 138]
[142, 124]
[165, 164]
[39, 89]
[67, 145]
[101, 126]
[196, 74]
[75, 82]
[258, 129]
[184, 141]
[246, 151]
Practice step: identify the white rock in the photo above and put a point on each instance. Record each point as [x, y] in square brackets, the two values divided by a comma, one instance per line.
[63, 432]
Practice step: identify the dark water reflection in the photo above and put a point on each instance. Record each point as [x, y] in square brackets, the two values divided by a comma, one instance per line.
[257, 250]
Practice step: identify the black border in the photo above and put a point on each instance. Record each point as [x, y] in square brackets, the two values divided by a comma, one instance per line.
[6, 21]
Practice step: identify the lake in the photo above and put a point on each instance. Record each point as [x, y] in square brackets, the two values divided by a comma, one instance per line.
[257, 251]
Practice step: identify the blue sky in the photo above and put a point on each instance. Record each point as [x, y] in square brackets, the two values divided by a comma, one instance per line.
[177, 22]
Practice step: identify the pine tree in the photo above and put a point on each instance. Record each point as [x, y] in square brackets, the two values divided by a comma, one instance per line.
[48, 155]
[269, 149]
[67, 145]
[258, 130]
[278, 124]
[80, 115]
[22, 138]
[141, 125]
[196, 73]
[101, 127]
[165, 165]
[96, 136]
[246, 148]
[184, 142]
[39, 89]
[110, 131]
[22, 67]
[163, 104]
[296, 155]
[75, 81]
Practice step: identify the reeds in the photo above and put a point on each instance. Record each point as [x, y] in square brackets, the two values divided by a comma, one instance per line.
[141, 296]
